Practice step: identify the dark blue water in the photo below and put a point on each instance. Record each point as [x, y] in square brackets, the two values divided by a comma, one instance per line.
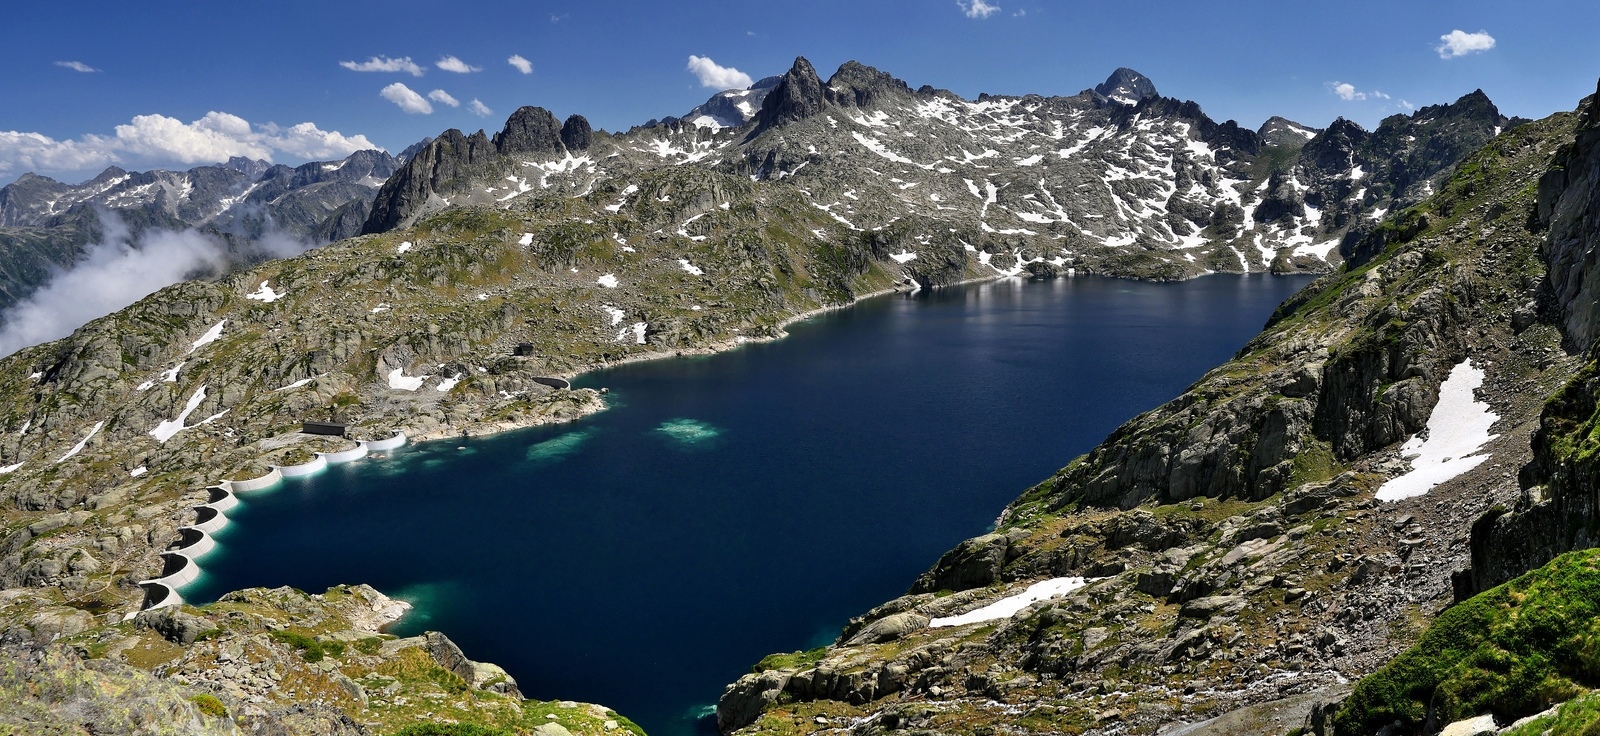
[745, 503]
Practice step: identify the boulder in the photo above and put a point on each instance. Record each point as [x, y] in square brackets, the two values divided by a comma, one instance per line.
[1216, 605]
[173, 624]
[889, 628]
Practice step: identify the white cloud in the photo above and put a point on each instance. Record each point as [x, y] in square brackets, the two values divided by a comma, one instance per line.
[114, 273]
[1346, 91]
[978, 8]
[1380, 95]
[157, 140]
[479, 109]
[442, 96]
[77, 66]
[452, 64]
[711, 74]
[408, 100]
[1407, 105]
[522, 65]
[1460, 43]
[384, 64]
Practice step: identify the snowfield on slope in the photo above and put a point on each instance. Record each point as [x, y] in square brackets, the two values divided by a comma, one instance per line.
[1009, 606]
[1457, 429]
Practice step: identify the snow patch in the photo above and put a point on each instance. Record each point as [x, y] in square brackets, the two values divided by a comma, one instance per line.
[445, 384]
[609, 281]
[903, 256]
[403, 247]
[211, 336]
[1010, 605]
[84, 442]
[691, 268]
[167, 428]
[265, 294]
[399, 381]
[136, 472]
[1457, 429]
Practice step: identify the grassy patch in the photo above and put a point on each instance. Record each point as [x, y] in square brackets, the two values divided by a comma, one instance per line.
[210, 705]
[792, 660]
[1579, 716]
[1512, 651]
[310, 649]
[451, 729]
[1314, 464]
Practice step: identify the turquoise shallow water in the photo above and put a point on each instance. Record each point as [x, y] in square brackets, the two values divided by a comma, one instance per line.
[735, 505]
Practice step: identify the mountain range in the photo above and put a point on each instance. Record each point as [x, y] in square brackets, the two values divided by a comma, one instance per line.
[1115, 180]
[46, 225]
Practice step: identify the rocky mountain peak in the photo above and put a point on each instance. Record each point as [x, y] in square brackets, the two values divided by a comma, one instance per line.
[1334, 149]
[529, 130]
[413, 149]
[252, 168]
[859, 85]
[797, 96]
[1127, 87]
[1280, 131]
[576, 133]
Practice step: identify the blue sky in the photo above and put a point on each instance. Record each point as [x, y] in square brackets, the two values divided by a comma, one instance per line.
[159, 67]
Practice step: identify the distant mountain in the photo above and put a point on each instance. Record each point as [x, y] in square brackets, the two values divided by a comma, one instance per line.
[728, 109]
[1127, 87]
[46, 224]
[1116, 179]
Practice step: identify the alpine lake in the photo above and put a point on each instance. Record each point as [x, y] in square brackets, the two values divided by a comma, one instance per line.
[729, 506]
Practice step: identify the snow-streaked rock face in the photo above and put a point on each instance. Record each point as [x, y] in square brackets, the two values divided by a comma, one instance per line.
[1114, 180]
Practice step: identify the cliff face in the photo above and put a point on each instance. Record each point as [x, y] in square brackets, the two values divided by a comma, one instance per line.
[1233, 549]
[1559, 509]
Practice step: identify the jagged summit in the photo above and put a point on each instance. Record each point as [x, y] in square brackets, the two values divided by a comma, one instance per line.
[454, 159]
[1127, 87]
[858, 85]
[796, 97]
[1280, 131]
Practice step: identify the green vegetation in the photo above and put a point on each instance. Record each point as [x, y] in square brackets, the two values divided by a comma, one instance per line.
[1571, 418]
[1512, 651]
[210, 705]
[1314, 464]
[791, 660]
[450, 729]
[1577, 717]
[369, 646]
[311, 650]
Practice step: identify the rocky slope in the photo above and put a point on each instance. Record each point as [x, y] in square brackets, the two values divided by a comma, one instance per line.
[1557, 509]
[1237, 564]
[46, 224]
[1115, 180]
[260, 661]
